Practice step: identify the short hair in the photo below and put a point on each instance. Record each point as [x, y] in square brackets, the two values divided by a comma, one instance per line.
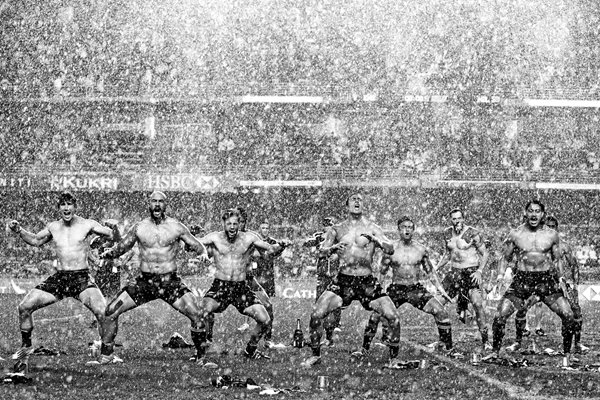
[457, 209]
[66, 197]
[535, 201]
[352, 194]
[552, 218]
[405, 218]
[158, 192]
[230, 212]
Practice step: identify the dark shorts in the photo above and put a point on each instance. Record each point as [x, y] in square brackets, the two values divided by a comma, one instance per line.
[416, 295]
[226, 293]
[458, 282]
[365, 289]
[542, 284]
[64, 284]
[148, 287]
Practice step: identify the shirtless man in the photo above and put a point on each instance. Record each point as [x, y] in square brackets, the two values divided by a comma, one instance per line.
[258, 290]
[535, 248]
[231, 250]
[354, 240]
[409, 258]
[568, 259]
[72, 279]
[467, 255]
[158, 239]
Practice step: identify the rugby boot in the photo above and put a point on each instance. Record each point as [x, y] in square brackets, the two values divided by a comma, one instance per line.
[514, 347]
[203, 362]
[257, 355]
[311, 361]
[359, 355]
[23, 354]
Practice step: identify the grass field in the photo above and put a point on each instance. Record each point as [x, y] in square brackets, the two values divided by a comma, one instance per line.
[151, 372]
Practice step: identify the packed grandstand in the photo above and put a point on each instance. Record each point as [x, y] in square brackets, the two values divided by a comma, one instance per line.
[283, 116]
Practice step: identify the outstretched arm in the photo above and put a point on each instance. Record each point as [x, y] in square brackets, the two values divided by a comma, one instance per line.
[110, 230]
[271, 249]
[33, 239]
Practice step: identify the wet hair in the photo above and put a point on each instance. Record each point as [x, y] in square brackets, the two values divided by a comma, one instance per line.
[457, 209]
[231, 212]
[405, 218]
[552, 218]
[352, 194]
[66, 197]
[535, 201]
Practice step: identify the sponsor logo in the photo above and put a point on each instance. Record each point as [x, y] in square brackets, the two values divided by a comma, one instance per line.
[74, 182]
[182, 181]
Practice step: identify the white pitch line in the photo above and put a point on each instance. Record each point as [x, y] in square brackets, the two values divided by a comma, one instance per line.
[513, 391]
[59, 318]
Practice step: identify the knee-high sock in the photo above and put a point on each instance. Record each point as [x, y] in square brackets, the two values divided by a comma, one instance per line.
[210, 324]
[315, 336]
[520, 324]
[331, 322]
[498, 331]
[567, 331]
[445, 332]
[199, 340]
[370, 331]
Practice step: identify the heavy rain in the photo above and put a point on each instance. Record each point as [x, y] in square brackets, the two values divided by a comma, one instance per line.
[164, 160]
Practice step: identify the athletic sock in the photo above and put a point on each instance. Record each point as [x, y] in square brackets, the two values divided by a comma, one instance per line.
[199, 340]
[26, 338]
[445, 332]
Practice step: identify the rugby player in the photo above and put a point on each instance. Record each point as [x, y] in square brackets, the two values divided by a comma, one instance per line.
[72, 278]
[354, 240]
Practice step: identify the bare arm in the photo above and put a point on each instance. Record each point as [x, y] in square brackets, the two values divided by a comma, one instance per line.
[191, 242]
[573, 264]
[556, 256]
[444, 260]
[33, 239]
[380, 240]
[483, 251]
[435, 279]
[385, 266]
[276, 248]
[109, 230]
[328, 246]
[123, 246]
[506, 258]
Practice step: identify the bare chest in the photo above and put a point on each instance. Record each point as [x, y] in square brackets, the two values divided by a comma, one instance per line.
[64, 236]
[353, 235]
[538, 242]
[404, 255]
[157, 236]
